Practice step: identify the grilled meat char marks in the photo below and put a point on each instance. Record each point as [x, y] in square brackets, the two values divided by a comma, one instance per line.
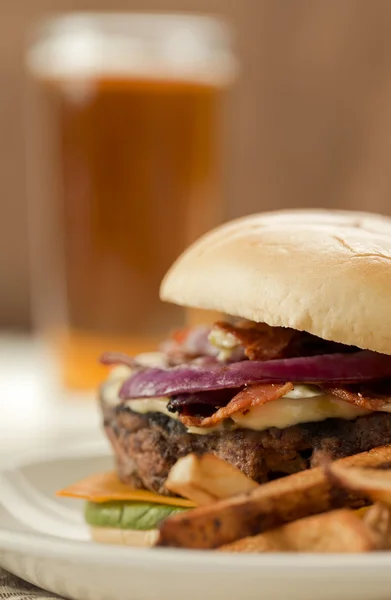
[147, 446]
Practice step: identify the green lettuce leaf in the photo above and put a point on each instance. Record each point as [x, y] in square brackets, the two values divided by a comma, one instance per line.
[128, 515]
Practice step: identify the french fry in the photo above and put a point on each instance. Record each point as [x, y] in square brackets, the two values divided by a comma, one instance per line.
[378, 518]
[267, 507]
[207, 479]
[335, 531]
[374, 484]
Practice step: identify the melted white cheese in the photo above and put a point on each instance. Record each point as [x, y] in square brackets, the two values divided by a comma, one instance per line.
[120, 373]
[225, 341]
[147, 405]
[222, 339]
[288, 411]
[304, 391]
[113, 384]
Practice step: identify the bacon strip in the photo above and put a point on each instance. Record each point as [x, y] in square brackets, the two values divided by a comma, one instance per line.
[255, 395]
[261, 341]
[356, 398]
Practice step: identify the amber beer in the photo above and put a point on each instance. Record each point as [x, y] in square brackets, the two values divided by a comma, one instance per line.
[129, 173]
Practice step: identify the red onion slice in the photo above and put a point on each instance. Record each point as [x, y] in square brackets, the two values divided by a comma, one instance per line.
[342, 368]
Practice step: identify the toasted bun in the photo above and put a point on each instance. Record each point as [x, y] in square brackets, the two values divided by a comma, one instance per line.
[324, 272]
[124, 537]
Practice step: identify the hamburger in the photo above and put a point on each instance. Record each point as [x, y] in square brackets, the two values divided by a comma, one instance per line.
[297, 368]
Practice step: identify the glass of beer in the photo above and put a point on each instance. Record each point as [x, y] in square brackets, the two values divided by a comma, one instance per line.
[124, 158]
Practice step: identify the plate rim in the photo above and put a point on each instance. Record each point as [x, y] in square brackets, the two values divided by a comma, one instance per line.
[40, 545]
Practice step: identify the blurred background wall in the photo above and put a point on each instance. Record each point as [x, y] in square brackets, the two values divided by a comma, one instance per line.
[308, 124]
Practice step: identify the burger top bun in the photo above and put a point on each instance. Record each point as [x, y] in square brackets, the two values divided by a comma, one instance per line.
[324, 272]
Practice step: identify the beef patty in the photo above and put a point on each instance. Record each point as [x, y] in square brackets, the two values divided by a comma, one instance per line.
[147, 446]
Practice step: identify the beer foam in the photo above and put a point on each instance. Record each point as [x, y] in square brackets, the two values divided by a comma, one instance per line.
[167, 46]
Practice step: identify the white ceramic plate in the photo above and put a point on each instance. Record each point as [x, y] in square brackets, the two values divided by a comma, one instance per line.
[43, 539]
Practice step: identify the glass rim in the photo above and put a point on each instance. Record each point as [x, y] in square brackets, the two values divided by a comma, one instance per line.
[78, 44]
[58, 22]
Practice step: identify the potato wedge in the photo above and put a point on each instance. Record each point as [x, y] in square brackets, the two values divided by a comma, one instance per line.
[378, 518]
[207, 479]
[268, 506]
[335, 531]
[375, 484]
